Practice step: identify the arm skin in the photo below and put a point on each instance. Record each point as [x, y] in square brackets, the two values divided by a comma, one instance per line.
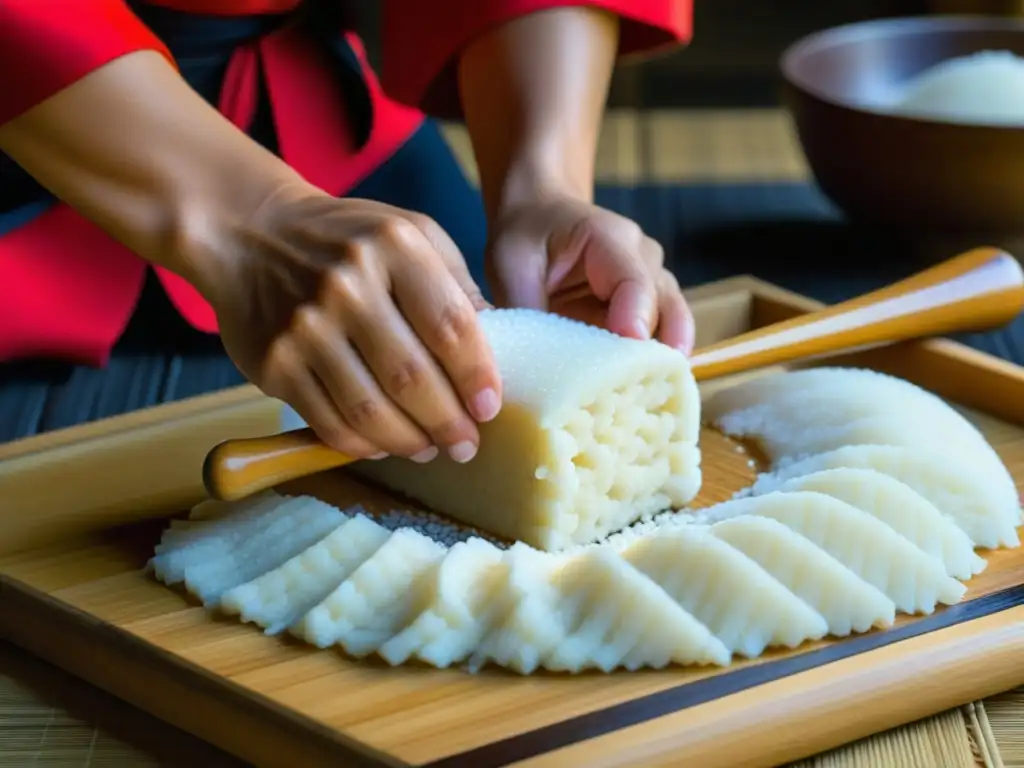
[137, 151]
[423, 40]
[544, 65]
[533, 93]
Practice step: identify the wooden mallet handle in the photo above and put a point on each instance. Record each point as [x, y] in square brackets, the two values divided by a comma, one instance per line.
[978, 290]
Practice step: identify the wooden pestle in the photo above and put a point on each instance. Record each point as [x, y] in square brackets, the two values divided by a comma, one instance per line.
[978, 290]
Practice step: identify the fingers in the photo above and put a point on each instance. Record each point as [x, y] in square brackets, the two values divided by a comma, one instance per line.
[452, 258]
[440, 301]
[445, 321]
[632, 299]
[675, 321]
[443, 246]
[427, 355]
[354, 391]
[644, 298]
[287, 377]
[448, 325]
[611, 250]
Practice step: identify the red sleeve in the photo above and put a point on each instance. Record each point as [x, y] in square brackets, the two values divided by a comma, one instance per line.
[46, 45]
[421, 38]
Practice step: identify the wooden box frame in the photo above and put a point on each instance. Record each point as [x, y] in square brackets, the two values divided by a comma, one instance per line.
[61, 492]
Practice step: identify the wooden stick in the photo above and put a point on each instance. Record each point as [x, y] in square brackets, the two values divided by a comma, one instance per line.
[978, 290]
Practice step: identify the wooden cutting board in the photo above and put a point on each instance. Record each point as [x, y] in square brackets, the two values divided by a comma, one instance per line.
[72, 590]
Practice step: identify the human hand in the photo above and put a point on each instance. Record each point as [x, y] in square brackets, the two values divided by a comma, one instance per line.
[574, 258]
[363, 318]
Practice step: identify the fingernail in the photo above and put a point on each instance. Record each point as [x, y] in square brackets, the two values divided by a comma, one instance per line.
[641, 329]
[462, 452]
[379, 456]
[485, 404]
[426, 455]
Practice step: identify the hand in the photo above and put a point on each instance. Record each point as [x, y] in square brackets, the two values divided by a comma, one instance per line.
[362, 317]
[571, 257]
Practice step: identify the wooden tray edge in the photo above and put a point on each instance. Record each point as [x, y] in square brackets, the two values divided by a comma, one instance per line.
[241, 722]
[35, 631]
[977, 658]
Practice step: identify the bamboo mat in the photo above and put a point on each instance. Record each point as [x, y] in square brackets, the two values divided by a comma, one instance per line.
[48, 718]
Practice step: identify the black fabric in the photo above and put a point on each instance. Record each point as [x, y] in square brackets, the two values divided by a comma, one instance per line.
[202, 46]
[787, 234]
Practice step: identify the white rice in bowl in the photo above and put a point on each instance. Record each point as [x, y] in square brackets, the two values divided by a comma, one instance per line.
[985, 88]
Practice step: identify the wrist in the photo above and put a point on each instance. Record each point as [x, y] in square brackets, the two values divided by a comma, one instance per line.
[540, 174]
[211, 221]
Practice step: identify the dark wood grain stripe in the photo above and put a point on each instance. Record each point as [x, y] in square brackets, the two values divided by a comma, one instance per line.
[681, 697]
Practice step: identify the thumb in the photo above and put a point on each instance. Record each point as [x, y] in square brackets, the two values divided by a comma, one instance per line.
[520, 268]
[631, 311]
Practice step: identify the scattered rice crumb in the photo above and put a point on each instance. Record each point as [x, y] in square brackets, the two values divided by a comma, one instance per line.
[434, 526]
[448, 532]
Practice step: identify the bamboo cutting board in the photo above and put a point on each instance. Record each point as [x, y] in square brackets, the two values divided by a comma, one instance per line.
[72, 591]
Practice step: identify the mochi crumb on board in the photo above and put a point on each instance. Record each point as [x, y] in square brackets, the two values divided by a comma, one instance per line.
[448, 532]
[440, 529]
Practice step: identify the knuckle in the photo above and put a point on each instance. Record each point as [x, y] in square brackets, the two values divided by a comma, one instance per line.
[454, 327]
[654, 252]
[279, 363]
[397, 231]
[306, 322]
[334, 435]
[406, 375]
[356, 254]
[587, 229]
[668, 282]
[476, 298]
[424, 223]
[632, 230]
[613, 225]
[342, 282]
[622, 229]
[364, 414]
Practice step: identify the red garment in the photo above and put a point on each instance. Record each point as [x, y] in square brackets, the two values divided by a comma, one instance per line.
[68, 290]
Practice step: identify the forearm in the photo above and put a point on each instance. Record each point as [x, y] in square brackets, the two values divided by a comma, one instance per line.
[137, 151]
[533, 92]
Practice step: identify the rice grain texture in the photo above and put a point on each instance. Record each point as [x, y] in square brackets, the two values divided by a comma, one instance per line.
[596, 430]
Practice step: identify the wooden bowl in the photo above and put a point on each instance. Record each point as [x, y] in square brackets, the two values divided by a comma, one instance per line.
[923, 177]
